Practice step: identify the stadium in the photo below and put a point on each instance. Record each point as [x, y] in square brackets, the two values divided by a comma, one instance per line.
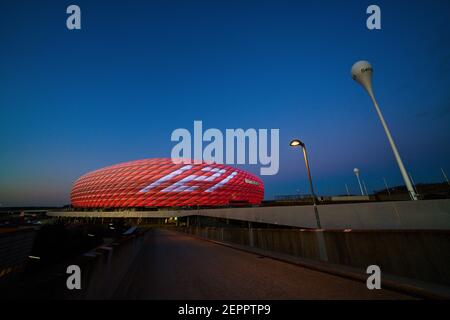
[160, 182]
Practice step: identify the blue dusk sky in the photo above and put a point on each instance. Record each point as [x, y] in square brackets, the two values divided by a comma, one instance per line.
[75, 101]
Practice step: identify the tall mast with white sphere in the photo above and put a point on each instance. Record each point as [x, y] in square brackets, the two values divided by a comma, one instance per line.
[356, 171]
[362, 73]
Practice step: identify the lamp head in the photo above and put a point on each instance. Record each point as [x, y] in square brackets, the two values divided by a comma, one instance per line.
[362, 73]
[356, 171]
[296, 143]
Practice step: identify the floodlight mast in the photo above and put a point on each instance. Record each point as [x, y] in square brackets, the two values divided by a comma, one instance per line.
[356, 171]
[362, 73]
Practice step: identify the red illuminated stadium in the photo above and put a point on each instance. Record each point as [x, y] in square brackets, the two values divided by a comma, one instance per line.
[161, 183]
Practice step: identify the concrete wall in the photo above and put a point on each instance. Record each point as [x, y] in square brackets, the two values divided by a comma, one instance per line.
[422, 255]
[420, 215]
[15, 247]
[350, 198]
[109, 267]
[425, 214]
[102, 269]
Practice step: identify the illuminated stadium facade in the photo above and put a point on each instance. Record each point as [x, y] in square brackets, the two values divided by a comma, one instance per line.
[162, 183]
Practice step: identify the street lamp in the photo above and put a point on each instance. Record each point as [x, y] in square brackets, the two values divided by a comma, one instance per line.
[365, 188]
[362, 73]
[298, 143]
[387, 187]
[356, 171]
[445, 176]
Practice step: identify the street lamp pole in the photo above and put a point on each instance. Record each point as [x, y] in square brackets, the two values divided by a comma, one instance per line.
[445, 176]
[387, 187]
[295, 143]
[362, 73]
[356, 171]
[413, 183]
[365, 188]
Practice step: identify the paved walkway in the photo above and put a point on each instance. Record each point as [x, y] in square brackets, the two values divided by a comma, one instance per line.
[173, 265]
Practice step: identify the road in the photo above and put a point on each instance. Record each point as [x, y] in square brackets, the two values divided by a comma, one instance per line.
[173, 265]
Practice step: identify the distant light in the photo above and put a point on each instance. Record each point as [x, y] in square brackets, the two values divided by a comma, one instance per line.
[90, 235]
[112, 228]
[34, 257]
[296, 143]
[348, 230]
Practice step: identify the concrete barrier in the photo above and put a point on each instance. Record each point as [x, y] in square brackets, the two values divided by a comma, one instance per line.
[425, 214]
[103, 268]
[416, 254]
